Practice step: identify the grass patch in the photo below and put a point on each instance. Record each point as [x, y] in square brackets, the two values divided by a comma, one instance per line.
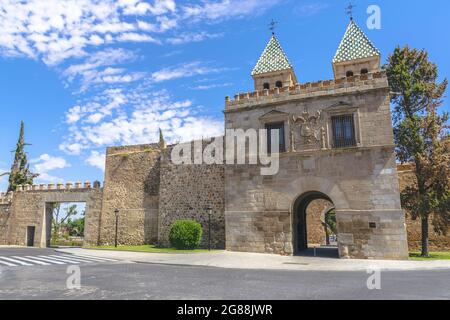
[149, 248]
[433, 256]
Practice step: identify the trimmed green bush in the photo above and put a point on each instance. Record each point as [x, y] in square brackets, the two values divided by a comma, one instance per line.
[185, 234]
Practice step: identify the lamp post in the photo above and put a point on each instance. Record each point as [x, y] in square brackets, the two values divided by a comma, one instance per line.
[209, 209]
[116, 212]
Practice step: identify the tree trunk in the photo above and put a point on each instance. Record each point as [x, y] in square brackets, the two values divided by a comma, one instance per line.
[425, 250]
[327, 236]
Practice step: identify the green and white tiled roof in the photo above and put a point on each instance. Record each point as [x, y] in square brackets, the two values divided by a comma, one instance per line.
[272, 59]
[355, 45]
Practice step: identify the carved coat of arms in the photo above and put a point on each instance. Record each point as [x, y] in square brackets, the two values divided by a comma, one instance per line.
[310, 132]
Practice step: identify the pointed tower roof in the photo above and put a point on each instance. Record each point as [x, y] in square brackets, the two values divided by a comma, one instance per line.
[355, 45]
[272, 59]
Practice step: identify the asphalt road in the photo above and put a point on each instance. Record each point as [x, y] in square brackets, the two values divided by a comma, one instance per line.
[125, 280]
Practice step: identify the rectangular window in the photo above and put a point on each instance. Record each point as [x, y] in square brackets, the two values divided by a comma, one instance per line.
[343, 131]
[276, 126]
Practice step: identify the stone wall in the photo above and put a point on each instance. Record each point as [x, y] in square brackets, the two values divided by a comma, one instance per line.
[132, 176]
[315, 216]
[5, 210]
[32, 208]
[186, 191]
[437, 242]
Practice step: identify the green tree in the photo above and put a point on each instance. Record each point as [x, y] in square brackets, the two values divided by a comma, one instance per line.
[75, 227]
[20, 173]
[421, 132]
[60, 219]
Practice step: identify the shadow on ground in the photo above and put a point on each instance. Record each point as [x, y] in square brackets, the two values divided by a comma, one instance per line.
[321, 252]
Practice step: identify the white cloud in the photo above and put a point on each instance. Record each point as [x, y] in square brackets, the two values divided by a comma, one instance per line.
[211, 86]
[136, 37]
[136, 119]
[54, 30]
[46, 163]
[310, 9]
[227, 9]
[183, 71]
[193, 37]
[97, 159]
[97, 69]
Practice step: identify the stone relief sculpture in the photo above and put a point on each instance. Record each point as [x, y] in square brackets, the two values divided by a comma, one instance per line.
[310, 133]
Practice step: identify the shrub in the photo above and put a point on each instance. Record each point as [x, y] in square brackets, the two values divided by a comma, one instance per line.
[185, 234]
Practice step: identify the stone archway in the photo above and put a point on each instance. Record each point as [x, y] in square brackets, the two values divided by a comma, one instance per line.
[300, 229]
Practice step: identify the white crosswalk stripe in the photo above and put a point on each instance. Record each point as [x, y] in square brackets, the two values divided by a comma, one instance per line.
[32, 261]
[15, 261]
[46, 260]
[9, 264]
[95, 258]
[73, 258]
[53, 259]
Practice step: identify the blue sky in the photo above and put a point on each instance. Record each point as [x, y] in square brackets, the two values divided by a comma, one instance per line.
[88, 74]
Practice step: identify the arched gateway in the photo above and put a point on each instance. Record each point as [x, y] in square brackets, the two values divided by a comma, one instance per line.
[300, 221]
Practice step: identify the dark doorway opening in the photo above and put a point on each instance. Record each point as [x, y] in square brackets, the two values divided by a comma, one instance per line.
[314, 234]
[31, 230]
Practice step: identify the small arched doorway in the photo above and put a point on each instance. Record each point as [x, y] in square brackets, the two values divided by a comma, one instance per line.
[303, 215]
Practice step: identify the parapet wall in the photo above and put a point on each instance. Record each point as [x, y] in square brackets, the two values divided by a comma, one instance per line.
[59, 186]
[308, 90]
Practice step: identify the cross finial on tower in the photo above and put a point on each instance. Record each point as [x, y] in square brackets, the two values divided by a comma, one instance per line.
[272, 26]
[349, 9]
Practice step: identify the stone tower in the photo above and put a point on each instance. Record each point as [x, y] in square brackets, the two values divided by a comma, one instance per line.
[356, 54]
[273, 69]
[336, 145]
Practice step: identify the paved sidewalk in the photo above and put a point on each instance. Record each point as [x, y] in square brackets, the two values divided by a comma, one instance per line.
[240, 260]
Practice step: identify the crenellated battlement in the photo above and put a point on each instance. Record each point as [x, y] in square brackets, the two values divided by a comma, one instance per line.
[60, 186]
[307, 90]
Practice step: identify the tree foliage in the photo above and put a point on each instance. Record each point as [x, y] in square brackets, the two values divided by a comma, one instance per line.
[20, 173]
[421, 137]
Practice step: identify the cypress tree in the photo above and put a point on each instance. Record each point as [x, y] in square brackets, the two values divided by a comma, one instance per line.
[20, 173]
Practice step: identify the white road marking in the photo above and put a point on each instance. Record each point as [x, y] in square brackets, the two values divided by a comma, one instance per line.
[46, 259]
[31, 260]
[8, 264]
[70, 258]
[95, 258]
[61, 259]
[76, 258]
[16, 261]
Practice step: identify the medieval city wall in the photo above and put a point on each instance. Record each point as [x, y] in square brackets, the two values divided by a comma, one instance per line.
[132, 176]
[32, 206]
[5, 210]
[186, 192]
[361, 182]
